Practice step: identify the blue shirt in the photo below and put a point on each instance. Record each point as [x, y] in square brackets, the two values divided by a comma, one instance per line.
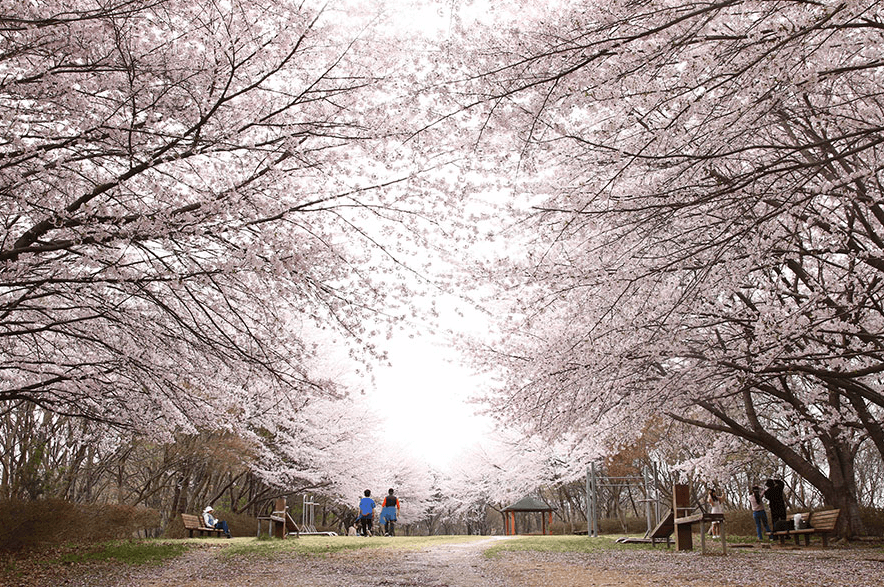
[366, 506]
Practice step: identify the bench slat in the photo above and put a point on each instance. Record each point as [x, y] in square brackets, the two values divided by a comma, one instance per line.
[791, 532]
[824, 520]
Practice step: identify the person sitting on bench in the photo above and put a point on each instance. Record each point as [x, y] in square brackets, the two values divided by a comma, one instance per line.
[211, 522]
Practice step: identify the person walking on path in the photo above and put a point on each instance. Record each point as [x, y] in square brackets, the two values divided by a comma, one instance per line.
[758, 513]
[716, 506]
[389, 513]
[366, 513]
[211, 522]
[773, 493]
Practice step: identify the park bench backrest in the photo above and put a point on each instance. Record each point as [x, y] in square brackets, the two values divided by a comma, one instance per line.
[191, 522]
[825, 520]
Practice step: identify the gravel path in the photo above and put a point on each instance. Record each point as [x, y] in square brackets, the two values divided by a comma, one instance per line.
[464, 565]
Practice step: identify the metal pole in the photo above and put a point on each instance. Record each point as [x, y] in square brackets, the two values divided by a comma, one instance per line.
[595, 503]
[656, 495]
[646, 474]
[588, 505]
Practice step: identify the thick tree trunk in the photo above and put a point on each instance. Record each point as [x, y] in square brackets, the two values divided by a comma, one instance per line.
[838, 488]
[844, 493]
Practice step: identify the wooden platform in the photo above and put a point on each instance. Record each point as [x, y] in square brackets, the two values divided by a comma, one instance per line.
[702, 518]
[663, 531]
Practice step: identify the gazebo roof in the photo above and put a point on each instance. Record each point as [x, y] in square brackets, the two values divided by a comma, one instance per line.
[529, 504]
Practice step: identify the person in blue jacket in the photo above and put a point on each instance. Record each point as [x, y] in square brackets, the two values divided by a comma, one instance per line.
[389, 513]
[366, 513]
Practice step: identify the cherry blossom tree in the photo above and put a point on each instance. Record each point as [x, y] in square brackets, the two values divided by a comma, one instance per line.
[202, 203]
[186, 189]
[705, 236]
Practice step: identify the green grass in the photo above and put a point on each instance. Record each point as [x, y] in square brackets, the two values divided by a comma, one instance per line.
[582, 544]
[132, 553]
[321, 545]
[566, 543]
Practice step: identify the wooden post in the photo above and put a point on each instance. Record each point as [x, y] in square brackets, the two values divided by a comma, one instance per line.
[681, 507]
[702, 536]
[278, 518]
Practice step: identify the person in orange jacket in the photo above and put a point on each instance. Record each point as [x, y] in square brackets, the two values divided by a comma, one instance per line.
[389, 513]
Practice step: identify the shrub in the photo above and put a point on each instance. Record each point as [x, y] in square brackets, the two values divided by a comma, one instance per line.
[25, 524]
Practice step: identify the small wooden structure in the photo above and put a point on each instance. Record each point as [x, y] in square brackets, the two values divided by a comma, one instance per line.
[527, 504]
[685, 518]
[663, 530]
[279, 523]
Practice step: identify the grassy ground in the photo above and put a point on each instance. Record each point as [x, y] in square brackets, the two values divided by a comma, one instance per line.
[152, 551]
[560, 544]
[46, 562]
[132, 553]
[49, 562]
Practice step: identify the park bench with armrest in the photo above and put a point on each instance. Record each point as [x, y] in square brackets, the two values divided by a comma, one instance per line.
[195, 524]
[822, 523]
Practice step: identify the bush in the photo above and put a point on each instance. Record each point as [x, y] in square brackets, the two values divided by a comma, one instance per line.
[633, 526]
[26, 524]
[874, 521]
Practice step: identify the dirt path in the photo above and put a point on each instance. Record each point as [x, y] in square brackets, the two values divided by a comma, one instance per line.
[464, 565]
[447, 565]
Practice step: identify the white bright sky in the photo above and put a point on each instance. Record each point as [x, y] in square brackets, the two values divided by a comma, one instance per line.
[422, 397]
[422, 400]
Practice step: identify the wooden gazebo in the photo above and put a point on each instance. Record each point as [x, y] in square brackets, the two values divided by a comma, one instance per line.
[527, 505]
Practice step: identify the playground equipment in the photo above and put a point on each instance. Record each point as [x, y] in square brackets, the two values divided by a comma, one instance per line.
[308, 518]
[663, 530]
[279, 523]
[679, 520]
[646, 481]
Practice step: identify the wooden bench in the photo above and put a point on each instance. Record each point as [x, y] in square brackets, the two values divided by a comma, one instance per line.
[195, 524]
[822, 523]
